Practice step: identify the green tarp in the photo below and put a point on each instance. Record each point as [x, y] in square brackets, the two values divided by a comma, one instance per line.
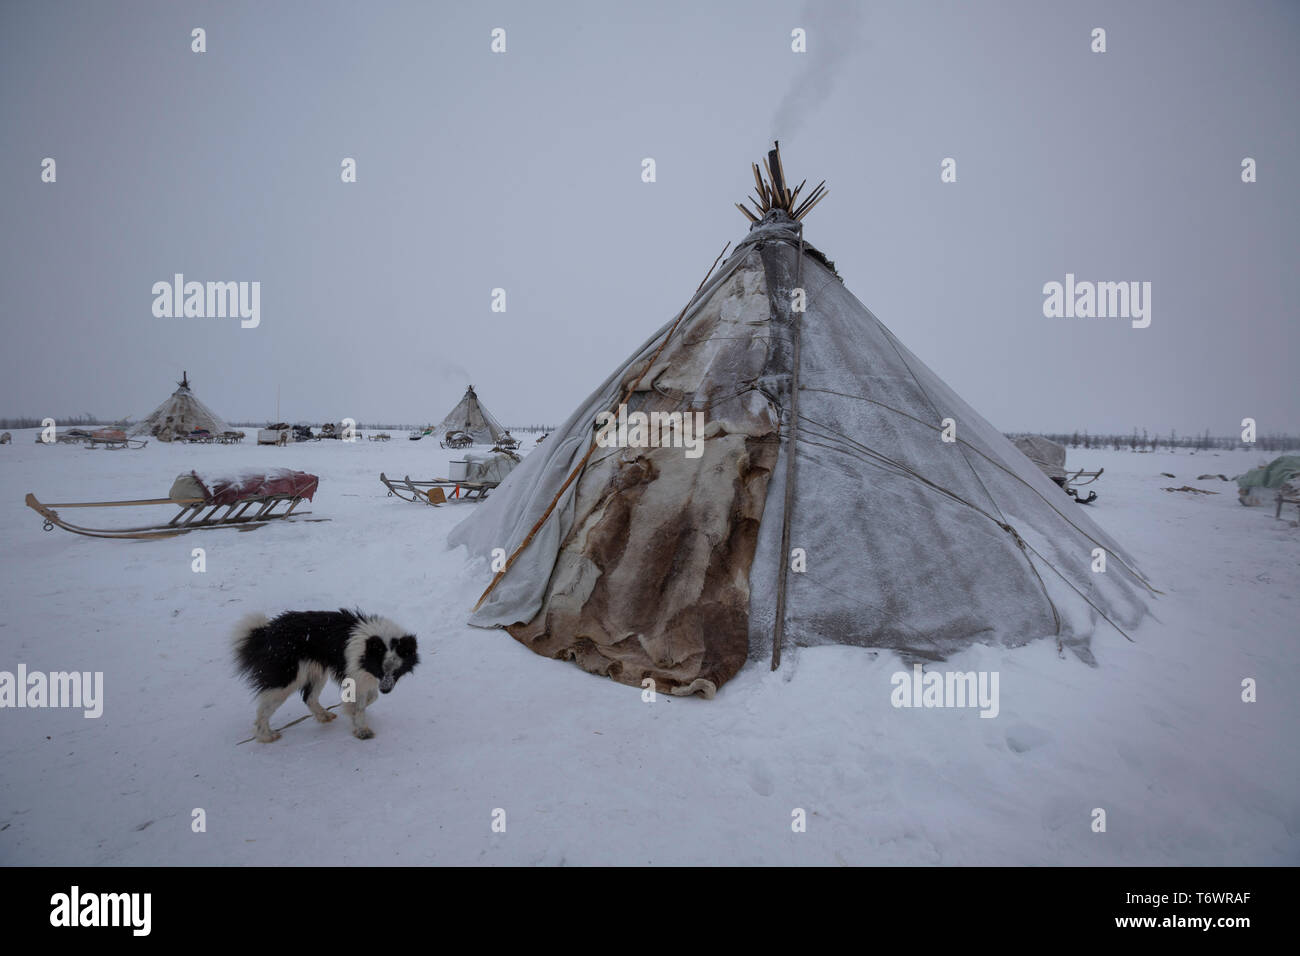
[1271, 475]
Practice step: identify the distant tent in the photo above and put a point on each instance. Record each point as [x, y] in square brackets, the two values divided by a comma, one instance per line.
[178, 416]
[471, 417]
[904, 521]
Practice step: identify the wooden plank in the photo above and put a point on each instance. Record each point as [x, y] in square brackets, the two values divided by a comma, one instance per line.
[121, 504]
[804, 206]
[808, 207]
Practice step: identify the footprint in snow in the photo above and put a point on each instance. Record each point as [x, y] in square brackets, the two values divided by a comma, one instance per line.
[760, 778]
[1023, 737]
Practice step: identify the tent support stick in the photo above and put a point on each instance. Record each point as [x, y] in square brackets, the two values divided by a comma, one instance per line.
[778, 634]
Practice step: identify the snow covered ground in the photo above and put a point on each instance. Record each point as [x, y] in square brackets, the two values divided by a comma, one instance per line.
[588, 773]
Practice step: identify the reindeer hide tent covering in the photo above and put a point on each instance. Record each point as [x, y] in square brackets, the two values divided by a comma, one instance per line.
[655, 564]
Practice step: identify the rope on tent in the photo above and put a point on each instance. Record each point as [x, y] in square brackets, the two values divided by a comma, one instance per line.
[1137, 575]
[1133, 571]
[577, 469]
[999, 520]
[1056, 615]
[908, 472]
[778, 633]
[1022, 544]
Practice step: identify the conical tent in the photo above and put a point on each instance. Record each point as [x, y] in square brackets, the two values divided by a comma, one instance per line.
[470, 416]
[904, 521]
[181, 414]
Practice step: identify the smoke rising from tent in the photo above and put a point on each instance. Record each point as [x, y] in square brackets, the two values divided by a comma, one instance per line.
[454, 372]
[833, 32]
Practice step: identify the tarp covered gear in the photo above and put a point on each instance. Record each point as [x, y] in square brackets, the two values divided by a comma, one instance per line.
[1045, 453]
[1271, 475]
[1260, 485]
[493, 466]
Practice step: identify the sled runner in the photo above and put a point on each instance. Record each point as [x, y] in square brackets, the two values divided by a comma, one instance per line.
[1072, 481]
[246, 501]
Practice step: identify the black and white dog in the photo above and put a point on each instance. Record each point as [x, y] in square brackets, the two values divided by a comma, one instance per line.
[302, 649]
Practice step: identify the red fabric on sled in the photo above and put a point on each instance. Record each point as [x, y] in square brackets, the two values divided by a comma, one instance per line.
[281, 481]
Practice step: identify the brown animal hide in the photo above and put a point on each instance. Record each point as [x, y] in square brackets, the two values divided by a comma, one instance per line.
[653, 578]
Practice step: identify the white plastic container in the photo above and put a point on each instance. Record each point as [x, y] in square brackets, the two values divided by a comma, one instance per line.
[458, 470]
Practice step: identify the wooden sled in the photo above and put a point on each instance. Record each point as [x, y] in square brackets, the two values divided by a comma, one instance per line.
[419, 491]
[1288, 494]
[115, 444]
[228, 507]
[457, 440]
[73, 436]
[113, 441]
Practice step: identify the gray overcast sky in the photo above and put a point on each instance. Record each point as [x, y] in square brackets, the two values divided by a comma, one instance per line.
[522, 171]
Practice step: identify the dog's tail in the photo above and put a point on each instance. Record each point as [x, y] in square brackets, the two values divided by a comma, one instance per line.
[241, 635]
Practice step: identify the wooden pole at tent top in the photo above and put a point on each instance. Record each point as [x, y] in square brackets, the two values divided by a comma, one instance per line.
[774, 192]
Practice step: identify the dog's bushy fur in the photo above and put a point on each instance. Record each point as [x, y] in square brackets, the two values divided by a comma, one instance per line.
[300, 650]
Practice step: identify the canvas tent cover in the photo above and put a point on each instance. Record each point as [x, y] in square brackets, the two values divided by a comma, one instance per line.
[658, 565]
[1045, 453]
[471, 417]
